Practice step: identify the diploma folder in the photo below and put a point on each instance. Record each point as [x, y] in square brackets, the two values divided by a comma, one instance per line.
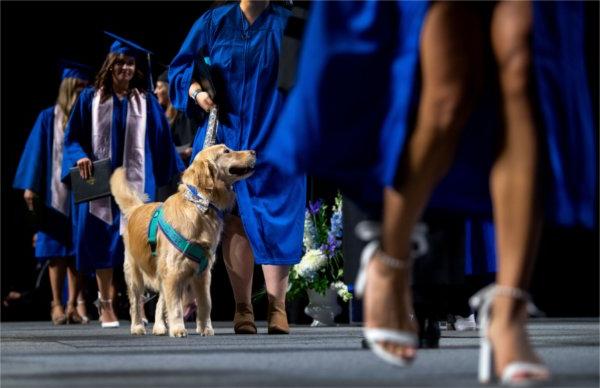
[97, 186]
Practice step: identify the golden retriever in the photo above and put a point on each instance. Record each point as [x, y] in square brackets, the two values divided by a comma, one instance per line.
[213, 172]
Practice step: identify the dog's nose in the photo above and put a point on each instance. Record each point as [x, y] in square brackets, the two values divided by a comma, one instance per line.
[253, 153]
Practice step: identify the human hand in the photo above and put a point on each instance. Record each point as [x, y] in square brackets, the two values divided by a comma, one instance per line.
[29, 196]
[85, 168]
[204, 101]
[186, 153]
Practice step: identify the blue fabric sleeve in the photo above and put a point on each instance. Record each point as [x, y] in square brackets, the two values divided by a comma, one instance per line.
[78, 133]
[30, 170]
[182, 68]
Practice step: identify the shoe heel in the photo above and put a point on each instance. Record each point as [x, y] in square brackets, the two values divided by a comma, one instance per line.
[485, 361]
[366, 256]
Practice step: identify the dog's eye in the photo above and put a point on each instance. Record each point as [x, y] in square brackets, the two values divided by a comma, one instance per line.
[226, 151]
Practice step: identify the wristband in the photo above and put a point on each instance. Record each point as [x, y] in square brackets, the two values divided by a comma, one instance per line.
[195, 94]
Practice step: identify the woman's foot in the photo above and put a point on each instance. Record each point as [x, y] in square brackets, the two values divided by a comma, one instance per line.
[387, 303]
[72, 314]
[243, 321]
[82, 311]
[509, 338]
[57, 314]
[107, 314]
[277, 322]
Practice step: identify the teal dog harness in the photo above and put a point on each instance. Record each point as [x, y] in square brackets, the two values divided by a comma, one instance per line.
[190, 249]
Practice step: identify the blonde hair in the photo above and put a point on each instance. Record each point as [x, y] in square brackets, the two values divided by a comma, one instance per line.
[67, 95]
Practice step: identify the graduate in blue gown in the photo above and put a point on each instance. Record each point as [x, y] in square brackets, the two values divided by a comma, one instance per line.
[39, 175]
[242, 43]
[390, 86]
[118, 119]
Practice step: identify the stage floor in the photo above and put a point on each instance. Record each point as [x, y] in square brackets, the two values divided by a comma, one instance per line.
[36, 354]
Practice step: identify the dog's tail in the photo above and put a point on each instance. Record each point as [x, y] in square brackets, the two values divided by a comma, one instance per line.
[127, 198]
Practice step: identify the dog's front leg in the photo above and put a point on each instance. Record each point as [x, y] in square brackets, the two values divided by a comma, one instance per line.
[201, 286]
[160, 327]
[173, 285]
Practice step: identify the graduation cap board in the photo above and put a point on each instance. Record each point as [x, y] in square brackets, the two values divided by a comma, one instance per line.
[71, 69]
[127, 47]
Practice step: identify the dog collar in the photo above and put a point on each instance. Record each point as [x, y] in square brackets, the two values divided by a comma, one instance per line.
[201, 202]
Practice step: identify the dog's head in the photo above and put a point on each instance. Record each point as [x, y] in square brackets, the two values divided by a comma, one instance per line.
[219, 167]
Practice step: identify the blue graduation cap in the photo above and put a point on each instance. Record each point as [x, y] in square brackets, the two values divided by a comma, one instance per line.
[70, 69]
[127, 47]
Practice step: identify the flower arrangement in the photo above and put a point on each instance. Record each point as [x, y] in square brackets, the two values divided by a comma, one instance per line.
[321, 266]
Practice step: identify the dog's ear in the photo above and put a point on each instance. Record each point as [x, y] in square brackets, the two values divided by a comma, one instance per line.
[207, 174]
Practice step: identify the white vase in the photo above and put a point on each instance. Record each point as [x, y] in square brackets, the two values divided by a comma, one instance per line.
[322, 308]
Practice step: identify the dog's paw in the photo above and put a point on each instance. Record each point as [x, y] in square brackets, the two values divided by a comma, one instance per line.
[159, 329]
[207, 331]
[178, 332]
[138, 330]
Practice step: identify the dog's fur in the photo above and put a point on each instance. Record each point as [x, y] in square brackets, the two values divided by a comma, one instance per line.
[212, 172]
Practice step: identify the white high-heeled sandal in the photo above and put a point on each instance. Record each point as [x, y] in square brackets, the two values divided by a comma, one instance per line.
[482, 301]
[105, 325]
[374, 336]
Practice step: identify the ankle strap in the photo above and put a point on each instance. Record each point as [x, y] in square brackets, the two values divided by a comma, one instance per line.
[511, 292]
[105, 300]
[392, 261]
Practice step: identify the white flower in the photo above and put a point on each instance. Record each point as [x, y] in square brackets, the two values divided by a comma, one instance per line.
[342, 291]
[310, 233]
[311, 262]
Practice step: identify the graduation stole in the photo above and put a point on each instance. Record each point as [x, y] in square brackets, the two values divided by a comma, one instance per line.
[134, 160]
[59, 192]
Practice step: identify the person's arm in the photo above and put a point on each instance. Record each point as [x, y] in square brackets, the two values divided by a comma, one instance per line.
[31, 169]
[78, 135]
[201, 97]
[182, 69]
[165, 159]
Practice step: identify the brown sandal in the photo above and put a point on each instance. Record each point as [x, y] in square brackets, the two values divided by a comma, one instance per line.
[57, 314]
[72, 314]
[277, 322]
[243, 321]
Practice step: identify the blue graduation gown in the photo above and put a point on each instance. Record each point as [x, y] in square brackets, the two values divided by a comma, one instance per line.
[244, 66]
[54, 239]
[97, 244]
[344, 122]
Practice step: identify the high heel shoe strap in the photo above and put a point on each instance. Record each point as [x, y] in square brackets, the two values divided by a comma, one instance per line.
[483, 298]
[389, 335]
[519, 368]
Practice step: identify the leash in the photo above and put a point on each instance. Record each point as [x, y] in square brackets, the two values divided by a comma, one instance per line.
[211, 130]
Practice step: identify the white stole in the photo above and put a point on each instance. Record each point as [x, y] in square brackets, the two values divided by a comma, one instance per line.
[59, 191]
[134, 160]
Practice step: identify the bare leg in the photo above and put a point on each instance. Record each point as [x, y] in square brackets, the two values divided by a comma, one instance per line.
[513, 181]
[56, 272]
[239, 259]
[201, 287]
[276, 281]
[104, 279]
[73, 278]
[448, 47]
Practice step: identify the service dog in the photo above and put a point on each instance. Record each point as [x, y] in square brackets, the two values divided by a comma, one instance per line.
[195, 213]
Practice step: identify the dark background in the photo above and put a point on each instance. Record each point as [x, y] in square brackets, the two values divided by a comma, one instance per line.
[35, 35]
